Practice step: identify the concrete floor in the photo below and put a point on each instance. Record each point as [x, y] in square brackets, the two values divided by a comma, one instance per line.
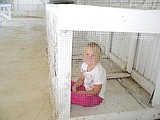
[122, 94]
[24, 93]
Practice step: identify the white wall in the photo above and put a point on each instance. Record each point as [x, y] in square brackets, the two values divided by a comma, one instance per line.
[120, 45]
[147, 55]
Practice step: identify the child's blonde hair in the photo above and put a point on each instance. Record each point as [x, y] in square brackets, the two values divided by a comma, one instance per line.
[96, 49]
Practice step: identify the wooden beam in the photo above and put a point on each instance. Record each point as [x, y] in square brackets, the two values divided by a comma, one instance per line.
[95, 18]
[64, 57]
[117, 75]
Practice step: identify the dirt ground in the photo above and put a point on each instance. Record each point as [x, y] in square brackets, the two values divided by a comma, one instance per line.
[24, 92]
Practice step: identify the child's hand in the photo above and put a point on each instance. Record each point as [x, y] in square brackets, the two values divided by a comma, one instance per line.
[74, 89]
[81, 92]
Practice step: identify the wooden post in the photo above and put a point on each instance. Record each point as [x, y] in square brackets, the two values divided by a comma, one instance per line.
[108, 45]
[60, 55]
[64, 73]
[131, 55]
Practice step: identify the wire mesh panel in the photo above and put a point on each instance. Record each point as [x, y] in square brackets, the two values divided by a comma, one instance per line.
[120, 45]
[82, 38]
[140, 4]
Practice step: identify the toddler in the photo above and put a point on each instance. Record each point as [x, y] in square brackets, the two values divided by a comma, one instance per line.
[89, 90]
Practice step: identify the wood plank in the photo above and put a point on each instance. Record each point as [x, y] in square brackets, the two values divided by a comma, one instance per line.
[138, 92]
[117, 75]
[144, 52]
[145, 83]
[118, 61]
[108, 44]
[110, 66]
[138, 53]
[150, 56]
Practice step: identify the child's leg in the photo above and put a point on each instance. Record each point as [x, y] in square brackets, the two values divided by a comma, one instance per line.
[85, 100]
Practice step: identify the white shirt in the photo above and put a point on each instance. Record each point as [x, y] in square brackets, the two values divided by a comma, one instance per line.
[95, 77]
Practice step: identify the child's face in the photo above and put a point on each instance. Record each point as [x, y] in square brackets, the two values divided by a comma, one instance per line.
[90, 57]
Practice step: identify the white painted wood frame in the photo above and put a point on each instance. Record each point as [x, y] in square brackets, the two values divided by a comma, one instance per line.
[108, 45]
[94, 18]
[59, 53]
[5, 11]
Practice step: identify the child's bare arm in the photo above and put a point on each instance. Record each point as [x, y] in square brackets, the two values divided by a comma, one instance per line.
[94, 91]
[78, 83]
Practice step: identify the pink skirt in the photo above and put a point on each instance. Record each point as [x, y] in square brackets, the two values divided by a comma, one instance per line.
[83, 99]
